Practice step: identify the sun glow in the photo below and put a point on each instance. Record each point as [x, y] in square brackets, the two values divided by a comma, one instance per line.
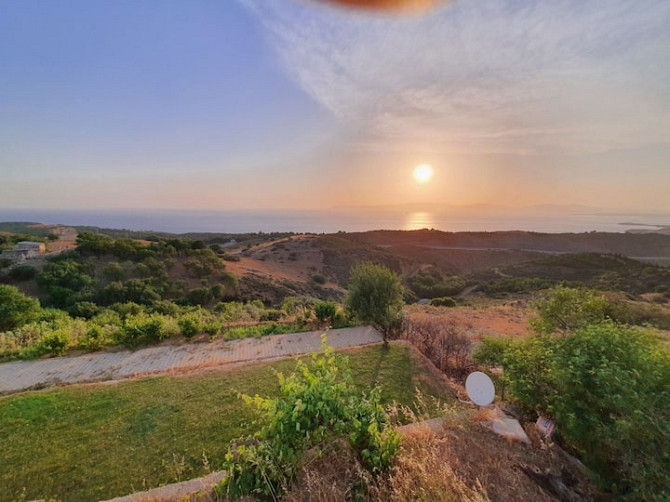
[423, 173]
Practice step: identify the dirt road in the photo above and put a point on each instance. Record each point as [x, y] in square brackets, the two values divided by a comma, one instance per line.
[24, 375]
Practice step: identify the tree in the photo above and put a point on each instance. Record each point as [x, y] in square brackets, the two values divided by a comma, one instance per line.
[16, 309]
[375, 296]
[567, 309]
[607, 387]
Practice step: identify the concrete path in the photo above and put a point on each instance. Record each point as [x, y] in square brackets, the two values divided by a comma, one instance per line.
[25, 375]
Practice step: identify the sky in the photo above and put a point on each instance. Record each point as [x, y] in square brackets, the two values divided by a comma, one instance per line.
[218, 104]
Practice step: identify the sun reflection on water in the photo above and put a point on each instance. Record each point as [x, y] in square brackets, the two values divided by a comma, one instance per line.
[418, 220]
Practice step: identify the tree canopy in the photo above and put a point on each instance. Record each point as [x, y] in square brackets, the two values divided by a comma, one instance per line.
[375, 296]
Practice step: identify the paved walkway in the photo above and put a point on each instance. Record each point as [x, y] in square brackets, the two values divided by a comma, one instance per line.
[24, 375]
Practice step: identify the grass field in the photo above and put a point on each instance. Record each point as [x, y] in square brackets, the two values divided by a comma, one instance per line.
[93, 442]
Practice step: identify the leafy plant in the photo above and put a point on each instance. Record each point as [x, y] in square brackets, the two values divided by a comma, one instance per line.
[375, 296]
[23, 273]
[432, 283]
[189, 325]
[443, 301]
[608, 389]
[16, 309]
[143, 328]
[318, 403]
[56, 342]
[325, 311]
[491, 351]
[564, 309]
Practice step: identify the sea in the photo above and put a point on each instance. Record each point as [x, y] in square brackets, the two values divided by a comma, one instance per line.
[331, 221]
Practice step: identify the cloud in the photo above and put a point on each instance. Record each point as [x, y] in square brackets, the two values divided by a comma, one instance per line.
[485, 77]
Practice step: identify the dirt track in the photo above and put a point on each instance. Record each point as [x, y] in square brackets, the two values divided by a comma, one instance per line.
[25, 375]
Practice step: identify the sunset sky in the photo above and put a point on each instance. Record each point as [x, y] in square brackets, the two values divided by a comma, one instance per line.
[214, 104]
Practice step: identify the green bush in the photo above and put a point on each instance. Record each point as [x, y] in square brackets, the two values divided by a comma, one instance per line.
[86, 310]
[212, 328]
[189, 325]
[114, 272]
[319, 279]
[260, 331]
[326, 311]
[375, 297]
[491, 351]
[443, 301]
[499, 287]
[143, 329]
[272, 315]
[96, 337]
[198, 296]
[432, 283]
[608, 389]
[127, 309]
[16, 309]
[564, 309]
[318, 404]
[23, 273]
[55, 342]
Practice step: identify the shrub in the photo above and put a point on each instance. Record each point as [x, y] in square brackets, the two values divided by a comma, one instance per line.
[23, 273]
[212, 328]
[325, 311]
[143, 328]
[319, 279]
[55, 342]
[16, 309]
[166, 307]
[96, 338]
[318, 403]
[87, 310]
[608, 389]
[114, 272]
[135, 290]
[198, 296]
[491, 351]
[440, 339]
[127, 309]
[564, 309]
[272, 315]
[432, 283]
[443, 301]
[189, 325]
[240, 312]
[259, 331]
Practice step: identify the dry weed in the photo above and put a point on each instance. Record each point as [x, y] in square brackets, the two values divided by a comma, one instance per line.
[441, 339]
[422, 473]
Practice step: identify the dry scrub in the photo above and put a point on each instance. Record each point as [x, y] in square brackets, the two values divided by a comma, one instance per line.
[440, 338]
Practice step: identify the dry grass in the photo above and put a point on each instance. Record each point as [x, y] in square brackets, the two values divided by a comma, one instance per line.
[422, 472]
[462, 461]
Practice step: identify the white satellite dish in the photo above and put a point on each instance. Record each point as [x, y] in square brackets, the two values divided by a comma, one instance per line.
[480, 388]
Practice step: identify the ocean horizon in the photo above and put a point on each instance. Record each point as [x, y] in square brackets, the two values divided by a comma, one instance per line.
[331, 221]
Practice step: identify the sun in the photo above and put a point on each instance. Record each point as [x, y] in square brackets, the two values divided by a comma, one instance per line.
[423, 173]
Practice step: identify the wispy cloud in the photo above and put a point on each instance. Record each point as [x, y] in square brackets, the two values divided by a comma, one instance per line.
[485, 76]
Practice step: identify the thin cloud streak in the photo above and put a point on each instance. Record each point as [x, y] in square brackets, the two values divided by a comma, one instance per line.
[485, 77]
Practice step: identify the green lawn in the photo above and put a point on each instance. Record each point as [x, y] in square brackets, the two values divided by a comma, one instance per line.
[100, 441]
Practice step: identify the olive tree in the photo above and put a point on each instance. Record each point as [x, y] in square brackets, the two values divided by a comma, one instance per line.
[375, 296]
